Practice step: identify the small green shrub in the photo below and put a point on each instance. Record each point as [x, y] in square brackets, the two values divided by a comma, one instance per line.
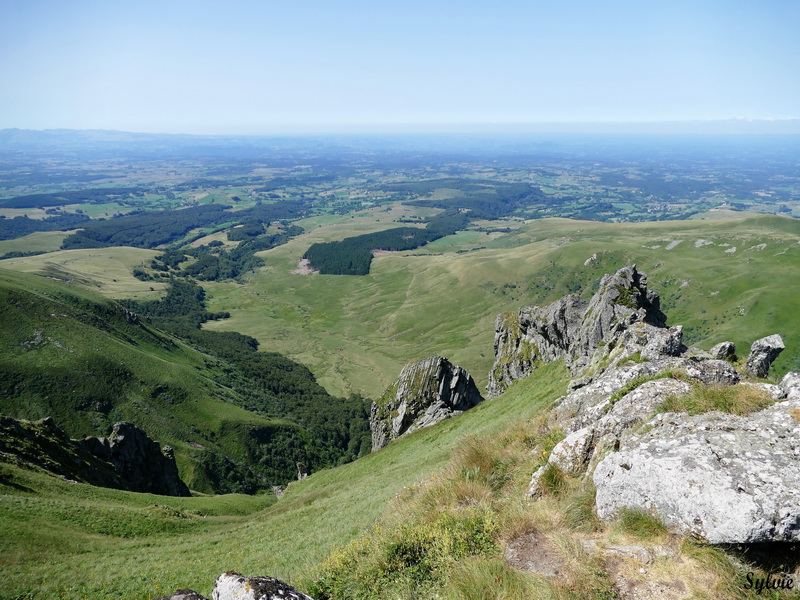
[414, 555]
[627, 297]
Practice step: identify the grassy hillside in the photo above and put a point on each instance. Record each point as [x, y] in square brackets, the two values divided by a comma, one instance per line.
[356, 333]
[124, 545]
[106, 270]
[83, 360]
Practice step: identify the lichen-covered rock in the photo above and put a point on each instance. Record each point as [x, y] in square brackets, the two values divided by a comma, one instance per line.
[583, 332]
[425, 393]
[182, 595]
[762, 354]
[599, 424]
[718, 477]
[572, 454]
[233, 586]
[790, 384]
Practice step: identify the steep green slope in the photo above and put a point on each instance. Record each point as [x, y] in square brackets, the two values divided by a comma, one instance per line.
[355, 334]
[87, 362]
[124, 545]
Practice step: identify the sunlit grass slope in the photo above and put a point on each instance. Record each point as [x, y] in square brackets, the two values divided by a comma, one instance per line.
[106, 270]
[723, 279]
[103, 543]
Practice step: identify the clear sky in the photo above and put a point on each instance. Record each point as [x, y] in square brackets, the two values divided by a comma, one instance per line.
[242, 66]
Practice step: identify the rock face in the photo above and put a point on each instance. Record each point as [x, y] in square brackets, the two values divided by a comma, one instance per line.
[47, 446]
[718, 477]
[762, 354]
[425, 393]
[577, 330]
[127, 460]
[140, 461]
[723, 350]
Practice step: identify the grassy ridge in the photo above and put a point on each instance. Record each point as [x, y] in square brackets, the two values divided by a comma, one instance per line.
[357, 335]
[165, 543]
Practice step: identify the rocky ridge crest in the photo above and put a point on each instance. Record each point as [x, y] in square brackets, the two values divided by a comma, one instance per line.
[719, 477]
[574, 328]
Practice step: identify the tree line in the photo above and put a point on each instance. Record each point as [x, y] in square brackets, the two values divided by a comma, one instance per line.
[267, 383]
[353, 256]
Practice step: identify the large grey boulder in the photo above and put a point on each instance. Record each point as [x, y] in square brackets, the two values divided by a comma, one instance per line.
[718, 477]
[596, 425]
[425, 393]
[182, 595]
[790, 384]
[762, 354]
[233, 586]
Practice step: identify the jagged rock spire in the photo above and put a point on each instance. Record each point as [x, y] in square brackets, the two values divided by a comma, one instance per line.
[426, 392]
[573, 328]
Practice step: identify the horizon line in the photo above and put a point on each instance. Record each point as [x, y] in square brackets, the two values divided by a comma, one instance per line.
[734, 125]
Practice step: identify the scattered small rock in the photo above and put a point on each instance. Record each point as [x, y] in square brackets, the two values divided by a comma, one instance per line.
[723, 350]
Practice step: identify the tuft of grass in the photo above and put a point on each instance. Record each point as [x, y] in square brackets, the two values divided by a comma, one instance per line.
[553, 480]
[579, 509]
[479, 579]
[734, 399]
[641, 524]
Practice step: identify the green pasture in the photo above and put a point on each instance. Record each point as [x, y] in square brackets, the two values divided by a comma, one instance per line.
[107, 270]
[356, 333]
[39, 241]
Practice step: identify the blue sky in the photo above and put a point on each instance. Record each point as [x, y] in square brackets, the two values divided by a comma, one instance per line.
[307, 65]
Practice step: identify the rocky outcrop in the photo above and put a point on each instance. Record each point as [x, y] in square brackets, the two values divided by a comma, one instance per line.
[140, 461]
[718, 477]
[233, 586]
[762, 354]
[579, 331]
[425, 393]
[42, 444]
[128, 459]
